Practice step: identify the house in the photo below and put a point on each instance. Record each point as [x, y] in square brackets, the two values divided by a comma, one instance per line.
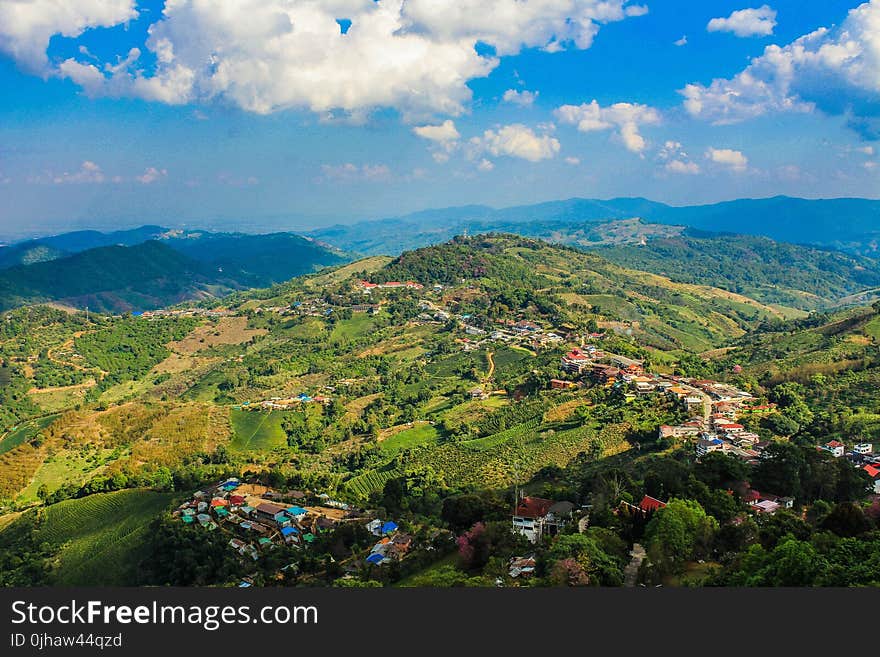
[272, 512]
[528, 517]
[692, 400]
[874, 473]
[560, 384]
[521, 566]
[686, 429]
[835, 448]
[575, 361]
[402, 543]
[650, 504]
[767, 506]
[707, 445]
[381, 527]
[478, 393]
[557, 517]
[863, 449]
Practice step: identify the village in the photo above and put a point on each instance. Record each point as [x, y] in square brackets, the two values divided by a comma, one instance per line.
[258, 518]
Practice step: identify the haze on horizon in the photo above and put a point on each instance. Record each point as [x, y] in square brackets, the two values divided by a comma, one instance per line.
[311, 113]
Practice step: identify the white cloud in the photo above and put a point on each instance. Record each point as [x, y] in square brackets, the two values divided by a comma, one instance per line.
[834, 70]
[574, 161]
[680, 166]
[517, 140]
[728, 157]
[625, 118]
[676, 159]
[26, 26]
[524, 98]
[636, 10]
[485, 165]
[88, 172]
[349, 172]
[681, 42]
[415, 56]
[746, 22]
[151, 175]
[445, 132]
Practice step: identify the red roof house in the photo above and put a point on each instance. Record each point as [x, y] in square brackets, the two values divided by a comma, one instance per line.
[649, 504]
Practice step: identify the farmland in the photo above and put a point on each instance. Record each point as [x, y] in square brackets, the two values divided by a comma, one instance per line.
[98, 538]
[257, 430]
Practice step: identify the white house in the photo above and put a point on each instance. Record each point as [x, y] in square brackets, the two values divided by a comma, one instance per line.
[863, 448]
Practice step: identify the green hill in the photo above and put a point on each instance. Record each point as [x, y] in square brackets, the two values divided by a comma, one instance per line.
[93, 541]
[113, 278]
[772, 272]
[560, 282]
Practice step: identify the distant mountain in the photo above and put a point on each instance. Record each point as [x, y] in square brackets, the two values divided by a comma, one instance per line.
[82, 240]
[28, 253]
[114, 279]
[852, 224]
[849, 224]
[256, 260]
[252, 260]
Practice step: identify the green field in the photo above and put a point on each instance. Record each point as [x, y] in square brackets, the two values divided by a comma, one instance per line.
[65, 467]
[418, 435]
[359, 325]
[257, 430]
[24, 433]
[100, 538]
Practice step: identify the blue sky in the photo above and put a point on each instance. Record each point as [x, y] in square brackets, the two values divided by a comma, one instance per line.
[112, 112]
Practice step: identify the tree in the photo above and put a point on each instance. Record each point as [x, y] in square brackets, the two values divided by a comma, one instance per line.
[679, 532]
[846, 519]
[779, 470]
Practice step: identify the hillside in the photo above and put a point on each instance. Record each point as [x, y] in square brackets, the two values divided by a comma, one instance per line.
[773, 272]
[114, 279]
[255, 260]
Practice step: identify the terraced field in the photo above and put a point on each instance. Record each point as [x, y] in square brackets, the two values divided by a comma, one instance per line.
[100, 538]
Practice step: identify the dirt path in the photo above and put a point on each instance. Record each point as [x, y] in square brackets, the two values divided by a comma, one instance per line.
[491, 360]
[631, 572]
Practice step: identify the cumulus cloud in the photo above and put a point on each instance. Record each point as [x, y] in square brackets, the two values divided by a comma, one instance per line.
[676, 159]
[524, 98]
[679, 166]
[443, 133]
[727, 157]
[625, 119]
[349, 172]
[485, 165]
[746, 22]
[88, 172]
[681, 42]
[517, 140]
[833, 70]
[151, 175]
[415, 56]
[26, 26]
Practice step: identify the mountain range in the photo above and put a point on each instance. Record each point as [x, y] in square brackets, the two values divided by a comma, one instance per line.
[776, 251]
[848, 224]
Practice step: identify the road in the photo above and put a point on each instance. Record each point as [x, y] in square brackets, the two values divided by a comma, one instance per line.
[631, 572]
